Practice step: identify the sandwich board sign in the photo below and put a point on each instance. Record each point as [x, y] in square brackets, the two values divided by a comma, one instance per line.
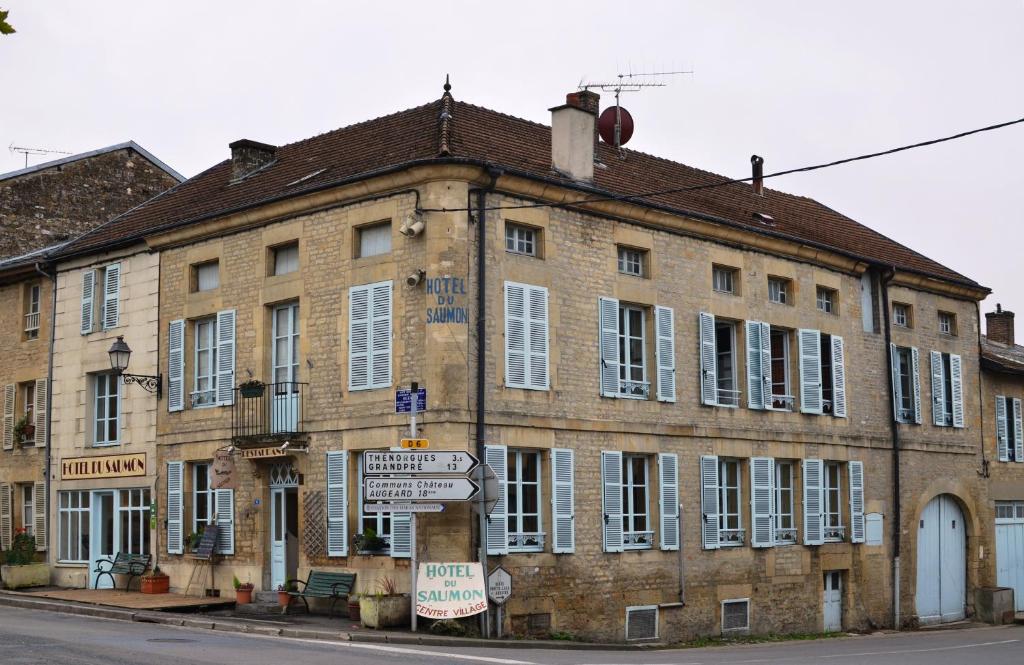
[450, 590]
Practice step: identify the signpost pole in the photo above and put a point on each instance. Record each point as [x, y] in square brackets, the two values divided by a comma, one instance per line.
[412, 516]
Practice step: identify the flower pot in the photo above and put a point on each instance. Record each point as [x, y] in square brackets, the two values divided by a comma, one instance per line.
[155, 584]
[283, 599]
[243, 596]
[28, 575]
[249, 392]
[29, 433]
[353, 609]
[385, 611]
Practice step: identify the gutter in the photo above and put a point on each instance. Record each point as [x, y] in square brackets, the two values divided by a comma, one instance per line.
[49, 402]
[887, 275]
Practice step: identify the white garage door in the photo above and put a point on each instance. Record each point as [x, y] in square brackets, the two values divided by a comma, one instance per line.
[1010, 549]
[941, 562]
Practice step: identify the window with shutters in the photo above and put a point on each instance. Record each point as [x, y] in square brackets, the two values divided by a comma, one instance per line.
[947, 323]
[1010, 439]
[827, 300]
[832, 504]
[905, 383]
[27, 399]
[526, 336]
[101, 298]
[785, 520]
[202, 497]
[33, 296]
[724, 279]
[206, 276]
[826, 373]
[73, 527]
[521, 239]
[373, 239]
[106, 409]
[133, 516]
[632, 261]
[779, 290]
[28, 511]
[204, 380]
[725, 352]
[901, 315]
[947, 390]
[378, 523]
[633, 381]
[369, 336]
[637, 533]
[523, 496]
[284, 259]
[730, 517]
[782, 394]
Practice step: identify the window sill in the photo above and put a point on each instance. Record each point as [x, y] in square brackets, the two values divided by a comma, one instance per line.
[106, 445]
[527, 255]
[636, 548]
[526, 550]
[71, 564]
[731, 544]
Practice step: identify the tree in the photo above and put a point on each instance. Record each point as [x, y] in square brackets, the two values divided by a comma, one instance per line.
[5, 27]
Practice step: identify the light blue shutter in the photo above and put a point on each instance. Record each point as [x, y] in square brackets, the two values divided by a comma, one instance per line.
[224, 504]
[755, 366]
[175, 509]
[380, 335]
[359, 338]
[111, 296]
[668, 500]
[563, 510]
[42, 397]
[709, 502]
[1002, 433]
[10, 395]
[956, 382]
[708, 361]
[897, 387]
[762, 501]
[88, 300]
[226, 357]
[401, 536]
[39, 502]
[814, 532]
[537, 341]
[838, 377]
[337, 503]
[810, 370]
[856, 471]
[938, 390]
[611, 499]
[526, 336]
[176, 365]
[515, 335]
[665, 353]
[1018, 432]
[6, 517]
[609, 322]
[915, 364]
[497, 522]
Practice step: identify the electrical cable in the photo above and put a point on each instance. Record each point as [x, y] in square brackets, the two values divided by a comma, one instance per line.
[723, 183]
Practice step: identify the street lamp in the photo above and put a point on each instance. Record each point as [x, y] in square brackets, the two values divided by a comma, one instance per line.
[120, 353]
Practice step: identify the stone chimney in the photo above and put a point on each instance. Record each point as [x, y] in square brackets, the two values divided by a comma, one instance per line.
[999, 326]
[573, 135]
[248, 156]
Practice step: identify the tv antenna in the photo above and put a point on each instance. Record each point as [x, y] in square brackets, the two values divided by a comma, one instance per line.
[616, 124]
[35, 151]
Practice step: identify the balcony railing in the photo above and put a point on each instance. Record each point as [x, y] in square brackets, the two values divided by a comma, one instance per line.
[728, 397]
[526, 541]
[637, 539]
[635, 389]
[835, 533]
[732, 536]
[276, 411]
[783, 402]
[32, 322]
[785, 536]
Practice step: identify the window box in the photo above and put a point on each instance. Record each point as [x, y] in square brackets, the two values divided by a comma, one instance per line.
[24, 576]
[252, 389]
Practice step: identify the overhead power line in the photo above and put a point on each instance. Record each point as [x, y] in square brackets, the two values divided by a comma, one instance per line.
[723, 183]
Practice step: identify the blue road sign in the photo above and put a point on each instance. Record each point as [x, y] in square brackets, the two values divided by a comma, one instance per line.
[403, 400]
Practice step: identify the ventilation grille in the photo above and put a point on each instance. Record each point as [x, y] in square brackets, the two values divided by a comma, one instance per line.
[735, 616]
[642, 623]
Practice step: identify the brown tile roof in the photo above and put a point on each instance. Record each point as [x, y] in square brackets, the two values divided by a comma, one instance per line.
[1000, 357]
[446, 130]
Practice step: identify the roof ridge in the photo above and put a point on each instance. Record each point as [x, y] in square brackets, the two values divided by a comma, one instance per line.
[379, 118]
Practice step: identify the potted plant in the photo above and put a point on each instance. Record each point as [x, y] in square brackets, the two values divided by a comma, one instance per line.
[19, 568]
[283, 591]
[24, 429]
[243, 591]
[156, 581]
[368, 542]
[192, 540]
[353, 606]
[251, 388]
[386, 608]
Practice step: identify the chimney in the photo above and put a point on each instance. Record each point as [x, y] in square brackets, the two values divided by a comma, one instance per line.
[573, 135]
[249, 156]
[999, 326]
[756, 166]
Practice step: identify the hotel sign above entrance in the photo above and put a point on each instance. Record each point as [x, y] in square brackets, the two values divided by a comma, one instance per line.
[105, 466]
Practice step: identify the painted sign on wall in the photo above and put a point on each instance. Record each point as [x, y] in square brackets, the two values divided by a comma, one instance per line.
[446, 297]
[104, 466]
[450, 590]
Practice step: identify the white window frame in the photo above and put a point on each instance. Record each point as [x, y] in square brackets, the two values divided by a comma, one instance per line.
[287, 366]
[832, 502]
[202, 398]
[376, 246]
[211, 514]
[521, 239]
[134, 513]
[906, 410]
[778, 290]
[730, 398]
[730, 536]
[79, 514]
[382, 523]
[947, 323]
[28, 511]
[628, 387]
[825, 299]
[96, 402]
[901, 315]
[633, 539]
[28, 403]
[34, 299]
[723, 279]
[631, 260]
[290, 266]
[520, 540]
[785, 504]
[1009, 512]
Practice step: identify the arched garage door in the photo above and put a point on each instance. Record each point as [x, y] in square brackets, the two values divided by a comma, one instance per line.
[941, 562]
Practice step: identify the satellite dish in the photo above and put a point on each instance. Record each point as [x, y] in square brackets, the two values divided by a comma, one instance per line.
[610, 118]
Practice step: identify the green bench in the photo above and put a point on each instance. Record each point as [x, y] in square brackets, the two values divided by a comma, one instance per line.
[132, 565]
[321, 584]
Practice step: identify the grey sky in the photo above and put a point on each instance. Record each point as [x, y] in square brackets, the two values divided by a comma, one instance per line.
[796, 82]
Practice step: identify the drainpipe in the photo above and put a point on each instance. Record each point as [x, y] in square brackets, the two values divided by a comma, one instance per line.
[481, 363]
[887, 276]
[49, 400]
[984, 473]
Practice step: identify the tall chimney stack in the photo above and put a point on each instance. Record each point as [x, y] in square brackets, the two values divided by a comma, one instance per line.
[573, 132]
[999, 326]
[757, 168]
[248, 156]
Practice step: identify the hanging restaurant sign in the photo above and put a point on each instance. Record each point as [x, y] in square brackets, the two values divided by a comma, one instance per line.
[105, 466]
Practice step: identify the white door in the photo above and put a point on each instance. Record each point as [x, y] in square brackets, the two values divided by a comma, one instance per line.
[284, 416]
[1010, 550]
[941, 562]
[104, 529]
[278, 537]
[833, 601]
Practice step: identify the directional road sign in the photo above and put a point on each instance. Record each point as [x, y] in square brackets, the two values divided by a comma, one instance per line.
[399, 490]
[403, 507]
[406, 462]
[403, 400]
[415, 443]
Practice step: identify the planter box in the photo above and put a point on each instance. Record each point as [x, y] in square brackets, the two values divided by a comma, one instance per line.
[161, 584]
[385, 611]
[19, 577]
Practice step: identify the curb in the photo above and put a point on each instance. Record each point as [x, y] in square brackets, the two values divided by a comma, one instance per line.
[19, 600]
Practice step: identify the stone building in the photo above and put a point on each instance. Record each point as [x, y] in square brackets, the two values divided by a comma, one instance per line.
[41, 208]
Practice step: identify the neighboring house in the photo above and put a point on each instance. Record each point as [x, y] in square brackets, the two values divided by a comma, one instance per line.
[689, 397]
[1002, 364]
[39, 206]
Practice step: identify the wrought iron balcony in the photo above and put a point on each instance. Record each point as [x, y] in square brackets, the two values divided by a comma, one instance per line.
[835, 534]
[783, 402]
[637, 539]
[525, 541]
[732, 536]
[785, 536]
[635, 389]
[268, 411]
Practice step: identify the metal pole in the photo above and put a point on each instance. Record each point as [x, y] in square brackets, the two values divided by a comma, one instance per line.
[415, 387]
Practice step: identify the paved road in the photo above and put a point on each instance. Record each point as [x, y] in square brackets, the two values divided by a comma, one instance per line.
[34, 637]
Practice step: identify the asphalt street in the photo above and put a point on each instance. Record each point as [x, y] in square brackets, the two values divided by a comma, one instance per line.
[30, 636]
